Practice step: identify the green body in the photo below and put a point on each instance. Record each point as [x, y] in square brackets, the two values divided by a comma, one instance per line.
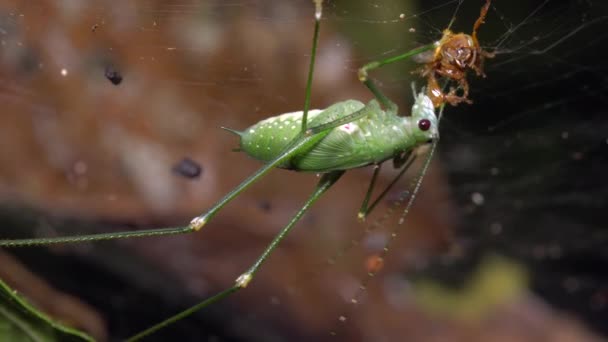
[372, 139]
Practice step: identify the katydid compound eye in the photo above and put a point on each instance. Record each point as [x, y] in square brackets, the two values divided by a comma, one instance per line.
[424, 124]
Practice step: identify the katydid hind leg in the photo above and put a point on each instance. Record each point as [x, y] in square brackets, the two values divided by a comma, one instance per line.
[311, 67]
[196, 224]
[325, 183]
[292, 149]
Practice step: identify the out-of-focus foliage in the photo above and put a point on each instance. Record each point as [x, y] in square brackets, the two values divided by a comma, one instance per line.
[20, 321]
[496, 281]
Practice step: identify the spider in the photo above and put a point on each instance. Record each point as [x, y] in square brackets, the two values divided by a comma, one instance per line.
[454, 54]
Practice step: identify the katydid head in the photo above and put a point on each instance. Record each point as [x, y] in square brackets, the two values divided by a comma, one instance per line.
[423, 119]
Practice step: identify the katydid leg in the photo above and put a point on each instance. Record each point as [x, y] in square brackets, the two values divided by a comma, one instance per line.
[301, 142]
[368, 193]
[365, 210]
[311, 68]
[326, 182]
[363, 75]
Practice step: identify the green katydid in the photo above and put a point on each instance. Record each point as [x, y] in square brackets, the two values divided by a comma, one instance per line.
[344, 136]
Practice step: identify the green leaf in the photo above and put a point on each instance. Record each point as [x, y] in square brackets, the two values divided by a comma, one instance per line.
[21, 322]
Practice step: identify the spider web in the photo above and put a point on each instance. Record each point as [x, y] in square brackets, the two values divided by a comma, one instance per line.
[518, 173]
